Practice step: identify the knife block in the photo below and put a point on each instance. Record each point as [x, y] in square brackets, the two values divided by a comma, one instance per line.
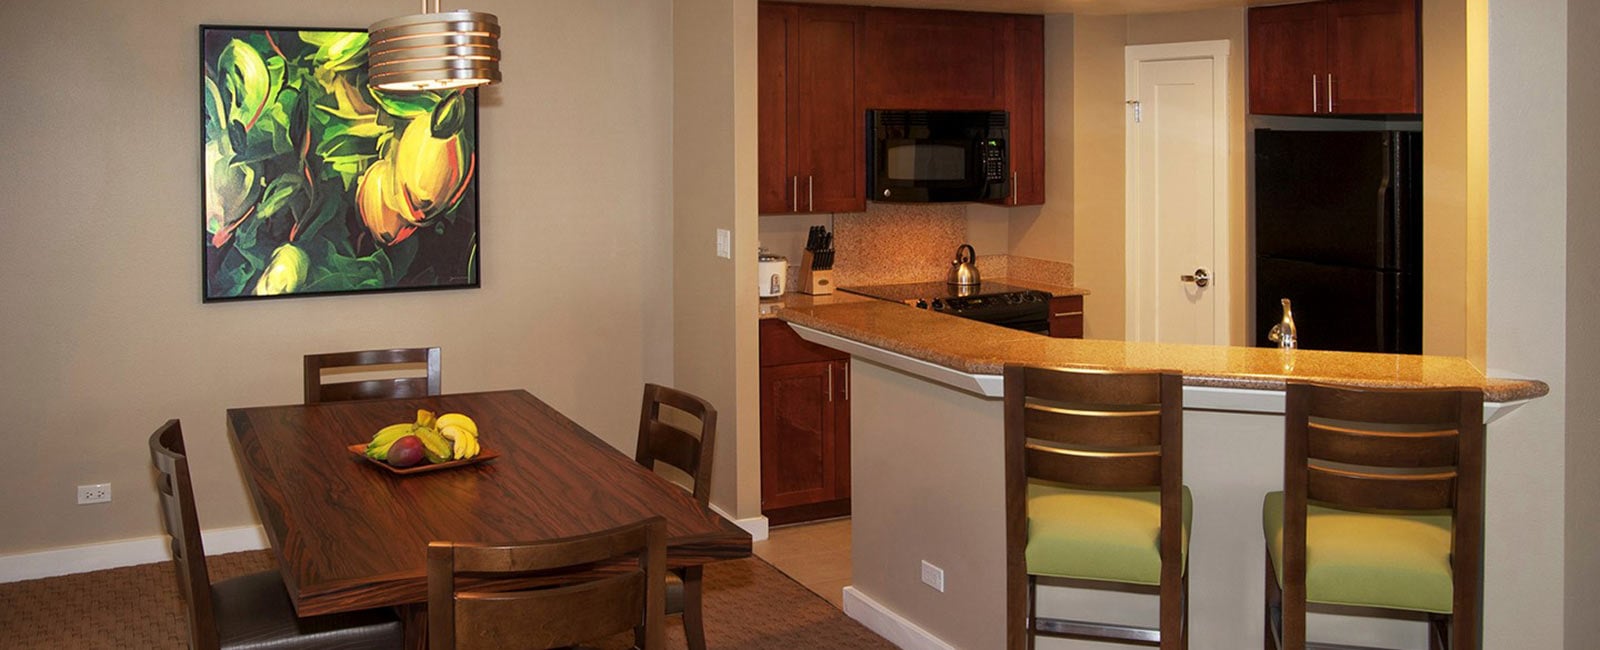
[813, 281]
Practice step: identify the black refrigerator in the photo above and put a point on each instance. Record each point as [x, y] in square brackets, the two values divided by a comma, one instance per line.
[1338, 231]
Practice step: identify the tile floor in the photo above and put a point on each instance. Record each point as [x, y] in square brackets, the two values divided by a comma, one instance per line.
[817, 555]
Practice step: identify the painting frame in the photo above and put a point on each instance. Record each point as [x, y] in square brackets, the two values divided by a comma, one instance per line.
[313, 184]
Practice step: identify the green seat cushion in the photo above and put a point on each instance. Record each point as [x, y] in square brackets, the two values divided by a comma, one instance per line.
[1098, 534]
[1394, 561]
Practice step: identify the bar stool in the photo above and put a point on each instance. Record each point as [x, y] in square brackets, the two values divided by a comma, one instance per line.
[1095, 495]
[1382, 508]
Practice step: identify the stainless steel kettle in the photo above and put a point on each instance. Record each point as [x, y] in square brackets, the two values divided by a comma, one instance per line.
[964, 270]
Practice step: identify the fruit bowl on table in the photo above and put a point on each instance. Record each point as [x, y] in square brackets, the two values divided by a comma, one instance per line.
[424, 466]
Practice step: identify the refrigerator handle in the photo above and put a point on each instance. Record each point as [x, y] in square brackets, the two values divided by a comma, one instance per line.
[1386, 204]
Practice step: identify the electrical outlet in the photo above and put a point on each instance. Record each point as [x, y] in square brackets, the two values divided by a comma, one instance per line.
[97, 493]
[724, 244]
[933, 576]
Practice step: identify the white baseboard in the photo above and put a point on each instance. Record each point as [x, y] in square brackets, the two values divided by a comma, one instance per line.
[120, 553]
[889, 625]
[756, 526]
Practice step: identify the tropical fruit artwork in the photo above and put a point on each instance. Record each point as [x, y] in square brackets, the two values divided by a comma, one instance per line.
[317, 184]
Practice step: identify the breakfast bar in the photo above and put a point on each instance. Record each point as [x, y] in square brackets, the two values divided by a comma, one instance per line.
[928, 484]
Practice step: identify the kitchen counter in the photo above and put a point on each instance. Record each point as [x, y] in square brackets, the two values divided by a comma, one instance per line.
[771, 306]
[927, 471]
[981, 349]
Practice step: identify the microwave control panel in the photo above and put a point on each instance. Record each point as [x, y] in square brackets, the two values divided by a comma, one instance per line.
[994, 161]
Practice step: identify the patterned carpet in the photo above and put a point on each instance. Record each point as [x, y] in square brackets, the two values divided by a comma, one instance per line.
[748, 604]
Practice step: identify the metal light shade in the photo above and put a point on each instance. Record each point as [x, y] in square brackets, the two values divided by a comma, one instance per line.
[437, 51]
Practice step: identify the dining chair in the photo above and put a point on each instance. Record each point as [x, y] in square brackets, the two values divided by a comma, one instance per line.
[662, 439]
[252, 611]
[1095, 498]
[581, 605]
[317, 391]
[1381, 511]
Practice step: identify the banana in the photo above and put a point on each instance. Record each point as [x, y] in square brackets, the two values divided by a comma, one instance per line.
[457, 419]
[466, 442]
[378, 449]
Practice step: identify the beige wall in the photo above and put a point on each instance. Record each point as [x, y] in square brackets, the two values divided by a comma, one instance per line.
[1583, 325]
[1096, 115]
[1445, 177]
[714, 301]
[105, 337]
[1097, 140]
[1526, 323]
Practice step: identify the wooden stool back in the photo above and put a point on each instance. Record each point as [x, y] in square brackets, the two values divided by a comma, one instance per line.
[662, 441]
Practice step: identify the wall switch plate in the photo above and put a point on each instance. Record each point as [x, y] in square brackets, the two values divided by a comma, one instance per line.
[933, 576]
[724, 244]
[97, 493]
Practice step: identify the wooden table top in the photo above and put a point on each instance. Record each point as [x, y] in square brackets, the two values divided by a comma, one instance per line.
[350, 535]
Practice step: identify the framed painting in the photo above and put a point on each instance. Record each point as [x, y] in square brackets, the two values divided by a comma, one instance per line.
[316, 184]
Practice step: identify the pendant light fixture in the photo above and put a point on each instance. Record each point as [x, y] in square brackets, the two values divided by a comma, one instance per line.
[440, 50]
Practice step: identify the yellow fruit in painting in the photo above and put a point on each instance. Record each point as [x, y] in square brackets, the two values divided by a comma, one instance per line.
[427, 169]
[285, 272]
[377, 197]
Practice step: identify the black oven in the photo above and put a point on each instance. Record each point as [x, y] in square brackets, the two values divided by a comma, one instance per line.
[937, 156]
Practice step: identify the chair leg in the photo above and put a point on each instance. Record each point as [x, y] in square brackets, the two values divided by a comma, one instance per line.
[1273, 597]
[694, 626]
[1033, 599]
[1171, 621]
[1185, 633]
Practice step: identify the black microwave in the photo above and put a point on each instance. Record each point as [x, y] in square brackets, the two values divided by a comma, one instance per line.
[937, 156]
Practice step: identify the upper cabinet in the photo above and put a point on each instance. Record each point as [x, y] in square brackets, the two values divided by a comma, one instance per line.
[1340, 57]
[936, 60]
[812, 151]
[1027, 111]
[821, 67]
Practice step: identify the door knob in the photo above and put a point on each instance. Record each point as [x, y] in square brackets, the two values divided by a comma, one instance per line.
[1201, 278]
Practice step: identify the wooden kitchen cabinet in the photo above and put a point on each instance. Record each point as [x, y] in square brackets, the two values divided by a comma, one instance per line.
[1339, 57]
[805, 427]
[812, 138]
[1026, 104]
[1066, 317]
[936, 60]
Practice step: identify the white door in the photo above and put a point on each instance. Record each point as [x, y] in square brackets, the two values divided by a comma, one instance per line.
[1177, 193]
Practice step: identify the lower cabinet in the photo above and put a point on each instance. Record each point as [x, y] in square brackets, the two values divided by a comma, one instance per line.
[1066, 317]
[805, 427]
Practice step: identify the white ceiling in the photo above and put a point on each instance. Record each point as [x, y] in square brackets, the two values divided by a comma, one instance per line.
[1058, 6]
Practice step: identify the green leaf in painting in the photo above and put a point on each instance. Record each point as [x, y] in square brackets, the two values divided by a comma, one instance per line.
[283, 192]
[347, 51]
[449, 115]
[406, 105]
[247, 80]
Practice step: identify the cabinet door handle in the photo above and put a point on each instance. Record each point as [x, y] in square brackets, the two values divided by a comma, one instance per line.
[794, 193]
[1330, 92]
[830, 382]
[811, 194]
[1316, 103]
[1066, 314]
[1014, 198]
[846, 368]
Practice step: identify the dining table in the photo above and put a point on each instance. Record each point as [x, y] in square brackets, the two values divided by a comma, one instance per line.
[349, 533]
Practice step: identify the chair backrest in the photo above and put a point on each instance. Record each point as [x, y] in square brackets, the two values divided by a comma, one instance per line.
[183, 526]
[1094, 429]
[317, 391]
[579, 604]
[660, 440]
[1386, 449]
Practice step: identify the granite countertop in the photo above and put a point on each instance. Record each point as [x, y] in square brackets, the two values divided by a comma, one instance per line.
[979, 348]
